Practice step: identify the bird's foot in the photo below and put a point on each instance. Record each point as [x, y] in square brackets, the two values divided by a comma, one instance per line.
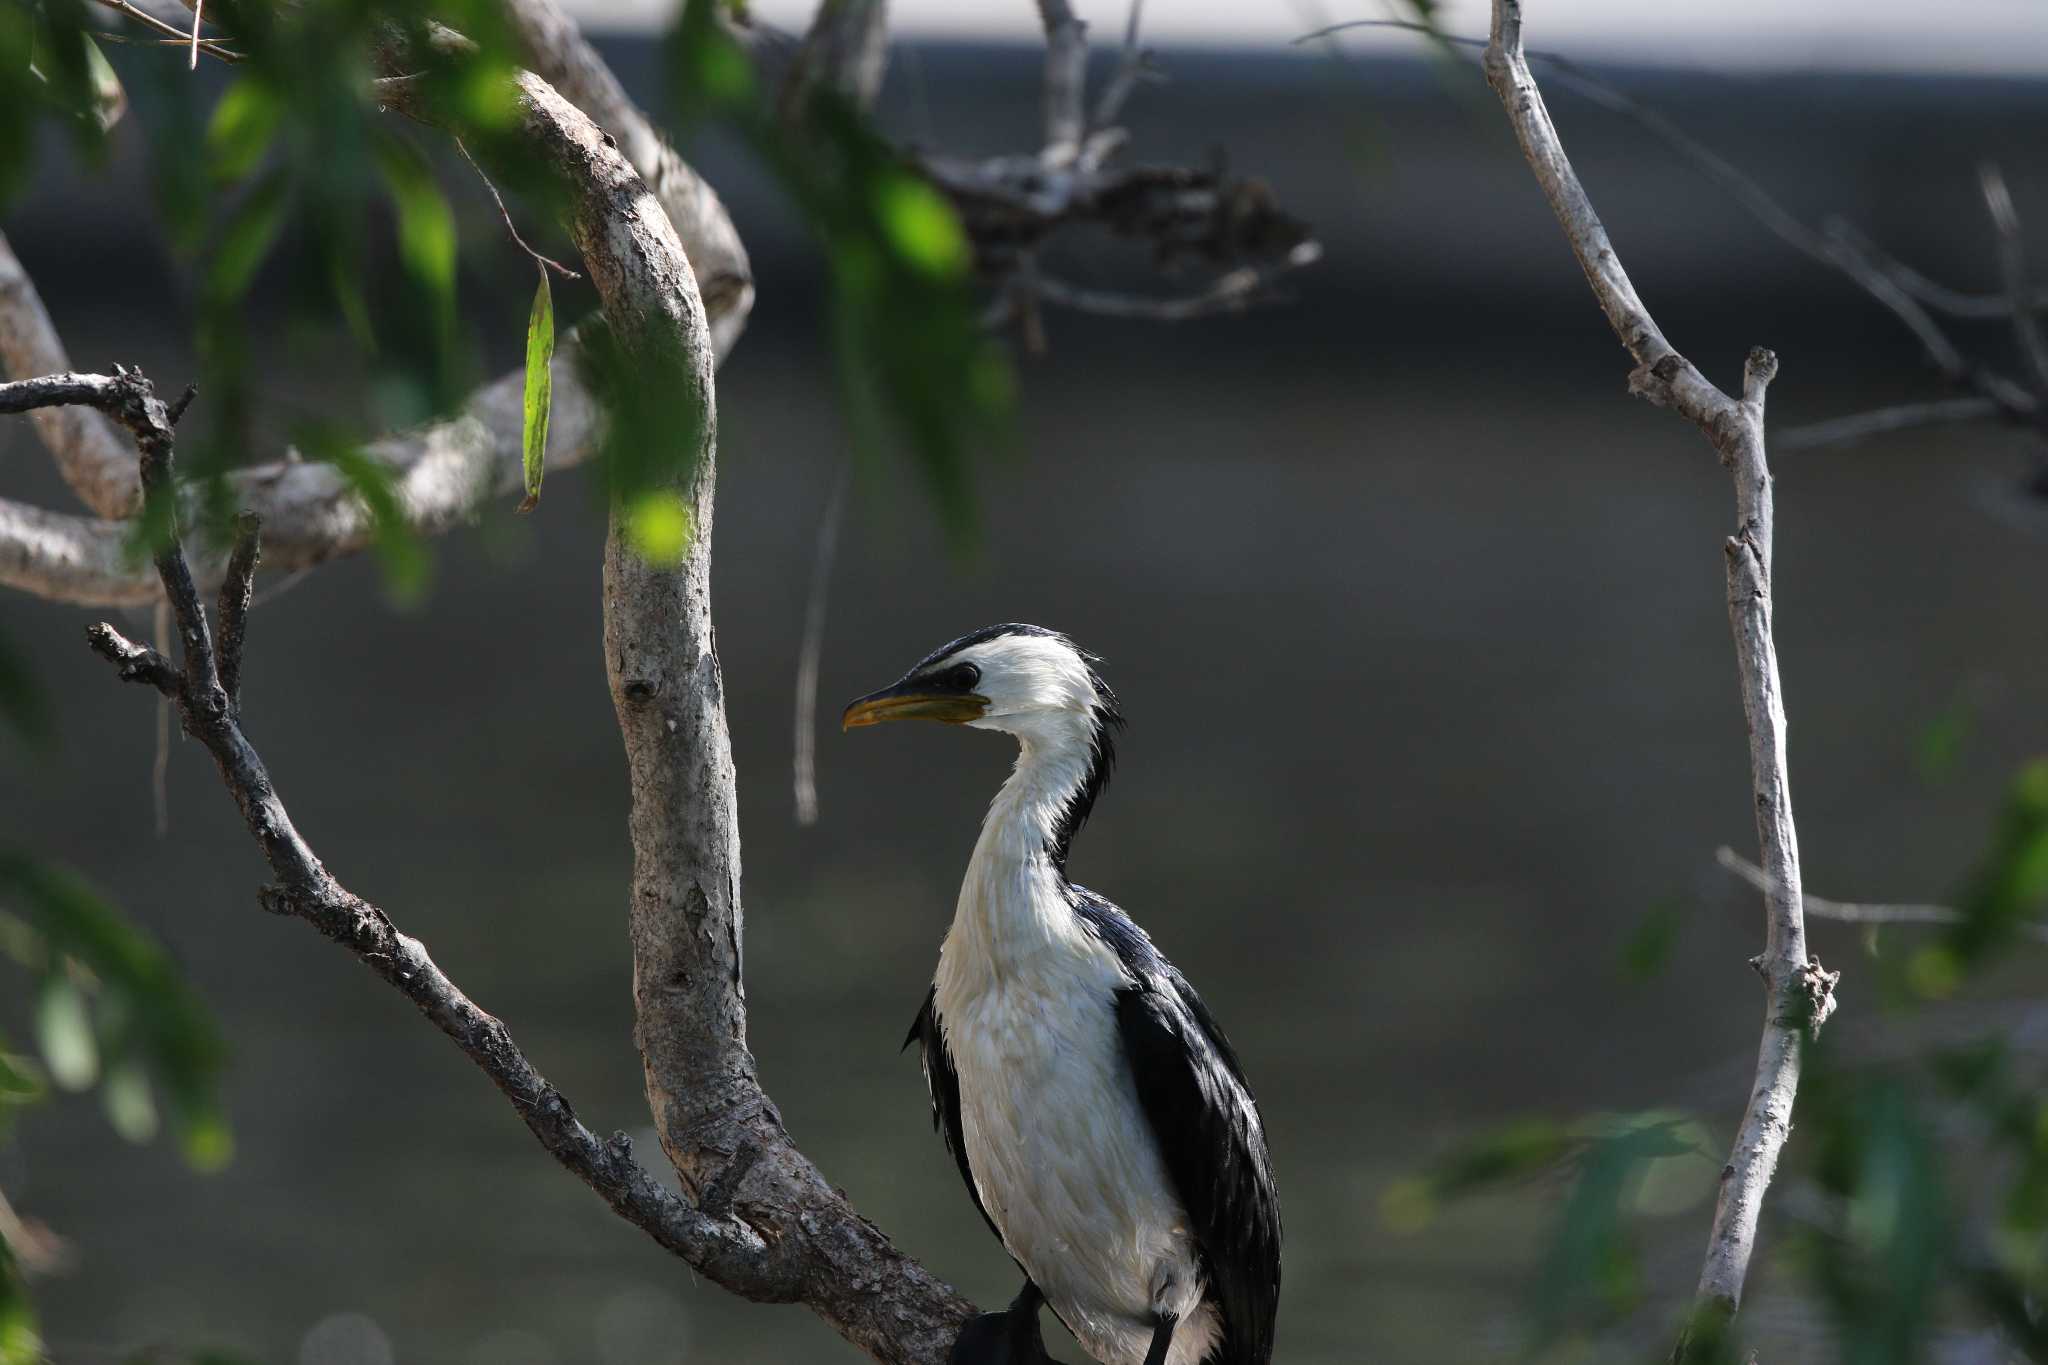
[1010, 1337]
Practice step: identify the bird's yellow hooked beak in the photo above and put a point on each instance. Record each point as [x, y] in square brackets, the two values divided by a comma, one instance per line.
[901, 703]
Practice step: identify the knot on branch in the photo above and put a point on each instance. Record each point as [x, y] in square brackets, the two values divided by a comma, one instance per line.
[1653, 382]
[1816, 991]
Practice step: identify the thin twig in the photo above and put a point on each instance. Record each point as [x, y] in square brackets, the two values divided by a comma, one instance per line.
[1857, 912]
[237, 590]
[1840, 250]
[1235, 292]
[548, 261]
[2012, 262]
[1066, 82]
[1956, 303]
[177, 37]
[805, 768]
[1799, 994]
[1133, 65]
[1878, 421]
[198, 7]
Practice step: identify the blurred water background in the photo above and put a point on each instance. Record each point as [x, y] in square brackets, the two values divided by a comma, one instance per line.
[1418, 618]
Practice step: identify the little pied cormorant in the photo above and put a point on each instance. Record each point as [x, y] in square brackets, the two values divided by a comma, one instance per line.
[1099, 1116]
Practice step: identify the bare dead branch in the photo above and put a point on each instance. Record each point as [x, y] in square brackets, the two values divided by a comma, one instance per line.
[1955, 303]
[1239, 290]
[1895, 287]
[305, 889]
[237, 590]
[1856, 912]
[2012, 263]
[1134, 64]
[1878, 421]
[176, 36]
[1800, 995]
[1066, 82]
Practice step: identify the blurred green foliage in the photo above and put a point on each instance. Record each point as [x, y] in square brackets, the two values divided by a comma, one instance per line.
[111, 1012]
[1912, 1200]
[912, 355]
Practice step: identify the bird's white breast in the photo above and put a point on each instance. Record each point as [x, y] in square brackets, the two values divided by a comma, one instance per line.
[1063, 1158]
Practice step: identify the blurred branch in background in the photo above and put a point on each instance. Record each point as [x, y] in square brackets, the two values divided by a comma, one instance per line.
[1905, 293]
[1855, 912]
[1799, 994]
[1014, 207]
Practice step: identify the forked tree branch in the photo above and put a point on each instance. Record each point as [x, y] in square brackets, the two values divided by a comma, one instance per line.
[1799, 994]
[204, 685]
[761, 1220]
[564, 58]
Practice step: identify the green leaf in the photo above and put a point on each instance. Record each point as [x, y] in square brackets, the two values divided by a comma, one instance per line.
[19, 1083]
[426, 225]
[1648, 950]
[243, 125]
[20, 1343]
[540, 355]
[245, 241]
[922, 226]
[64, 1031]
[399, 550]
[147, 1018]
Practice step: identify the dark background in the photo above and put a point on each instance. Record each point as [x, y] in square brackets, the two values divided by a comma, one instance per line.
[1418, 618]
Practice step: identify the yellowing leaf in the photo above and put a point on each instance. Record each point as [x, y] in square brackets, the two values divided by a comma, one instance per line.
[540, 355]
[658, 528]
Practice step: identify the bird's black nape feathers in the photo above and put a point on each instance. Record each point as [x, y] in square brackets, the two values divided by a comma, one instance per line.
[1109, 718]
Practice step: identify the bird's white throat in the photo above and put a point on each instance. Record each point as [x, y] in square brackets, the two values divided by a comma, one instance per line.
[1013, 904]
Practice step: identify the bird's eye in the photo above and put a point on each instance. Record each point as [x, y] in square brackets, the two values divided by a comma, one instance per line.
[964, 677]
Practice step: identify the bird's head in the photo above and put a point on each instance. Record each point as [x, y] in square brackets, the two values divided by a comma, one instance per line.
[1024, 680]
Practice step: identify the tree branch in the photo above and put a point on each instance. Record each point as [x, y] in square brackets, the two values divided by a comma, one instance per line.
[766, 1224]
[2012, 263]
[1010, 206]
[444, 471]
[1066, 82]
[846, 49]
[89, 451]
[1800, 994]
[564, 58]
[1876, 422]
[1858, 912]
[305, 889]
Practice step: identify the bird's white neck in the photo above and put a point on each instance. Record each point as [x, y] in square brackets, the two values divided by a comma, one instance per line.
[1013, 904]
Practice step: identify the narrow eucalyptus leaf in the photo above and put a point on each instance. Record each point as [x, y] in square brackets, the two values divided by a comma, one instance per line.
[540, 355]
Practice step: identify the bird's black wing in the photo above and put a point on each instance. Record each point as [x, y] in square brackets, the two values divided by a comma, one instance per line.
[944, 1084]
[1194, 1094]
